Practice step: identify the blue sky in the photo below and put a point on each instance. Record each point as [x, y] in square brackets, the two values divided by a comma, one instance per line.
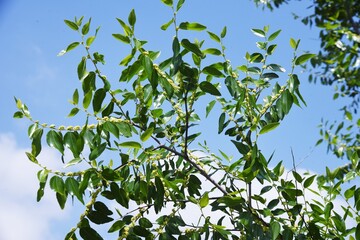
[33, 33]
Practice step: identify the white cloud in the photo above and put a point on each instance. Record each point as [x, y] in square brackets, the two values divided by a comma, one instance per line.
[21, 216]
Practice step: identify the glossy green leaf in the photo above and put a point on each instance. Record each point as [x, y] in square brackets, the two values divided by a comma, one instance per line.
[168, 2]
[86, 27]
[57, 184]
[191, 47]
[304, 58]
[61, 198]
[132, 18]
[213, 51]
[258, 32]
[223, 32]
[270, 50]
[274, 35]
[87, 99]
[73, 112]
[122, 38]
[54, 139]
[269, 127]
[275, 67]
[98, 99]
[179, 4]
[241, 147]
[72, 46]
[36, 142]
[214, 37]
[71, 25]
[192, 26]
[81, 69]
[309, 181]
[72, 187]
[127, 29]
[130, 144]
[209, 88]
[111, 127]
[96, 152]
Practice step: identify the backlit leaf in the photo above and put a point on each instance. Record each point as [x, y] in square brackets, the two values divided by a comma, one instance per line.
[192, 26]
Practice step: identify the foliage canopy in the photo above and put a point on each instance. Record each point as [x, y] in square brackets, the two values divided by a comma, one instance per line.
[149, 121]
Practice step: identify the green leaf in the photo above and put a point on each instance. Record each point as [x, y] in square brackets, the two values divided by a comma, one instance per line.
[130, 144]
[275, 67]
[126, 28]
[191, 47]
[61, 198]
[192, 26]
[75, 98]
[86, 27]
[241, 147]
[57, 184]
[31, 157]
[221, 123]
[72, 25]
[122, 198]
[275, 230]
[274, 35]
[71, 46]
[72, 187]
[166, 25]
[90, 40]
[122, 38]
[212, 51]
[357, 233]
[209, 107]
[89, 234]
[96, 152]
[81, 69]
[212, 70]
[309, 181]
[204, 200]
[111, 127]
[73, 112]
[179, 4]
[146, 134]
[294, 44]
[269, 127]
[270, 50]
[209, 88]
[87, 99]
[54, 139]
[223, 32]
[116, 226]
[98, 99]
[144, 222]
[168, 2]
[258, 32]
[304, 58]
[132, 18]
[214, 37]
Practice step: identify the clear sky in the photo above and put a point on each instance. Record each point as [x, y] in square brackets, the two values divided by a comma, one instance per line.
[32, 33]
